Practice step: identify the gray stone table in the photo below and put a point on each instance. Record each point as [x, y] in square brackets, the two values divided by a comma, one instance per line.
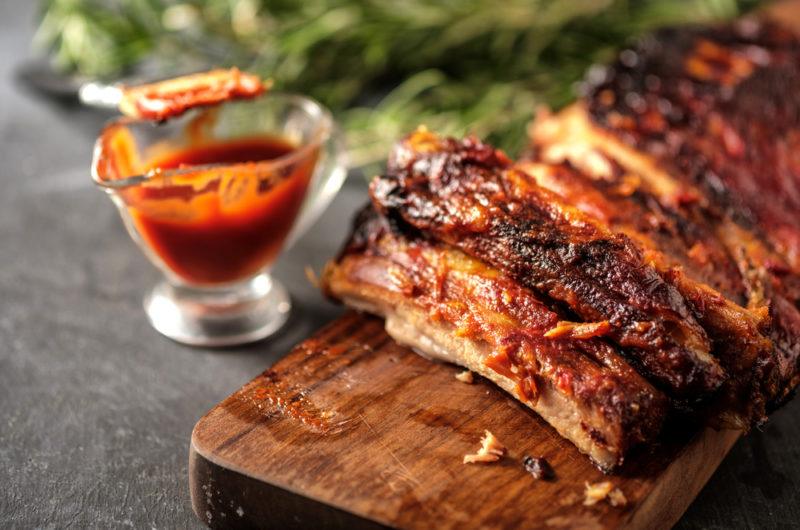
[96, 408]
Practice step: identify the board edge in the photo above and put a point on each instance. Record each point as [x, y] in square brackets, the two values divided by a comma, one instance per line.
[226, 499]
[665, 504]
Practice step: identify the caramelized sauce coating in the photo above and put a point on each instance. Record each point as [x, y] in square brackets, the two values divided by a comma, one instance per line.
[719, 108]
[466, 194]
[483, 305]
[681, 243]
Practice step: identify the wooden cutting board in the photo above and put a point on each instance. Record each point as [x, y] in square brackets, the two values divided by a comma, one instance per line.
[351, 430]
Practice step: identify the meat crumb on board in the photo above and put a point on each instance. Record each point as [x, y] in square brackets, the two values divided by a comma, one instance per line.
[601, 491]
[491, 450]
[617, 498]
[465, 377]
[538, 467]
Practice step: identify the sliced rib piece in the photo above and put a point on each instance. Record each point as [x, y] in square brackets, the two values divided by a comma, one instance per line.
[622, 201]
[685, 250]
[466, 194]
[717, 108]
[675, 115]
[455, 308]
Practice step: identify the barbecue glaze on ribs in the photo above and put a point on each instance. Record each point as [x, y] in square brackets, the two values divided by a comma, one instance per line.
[700, 127]
[641, 261]
[455, 308]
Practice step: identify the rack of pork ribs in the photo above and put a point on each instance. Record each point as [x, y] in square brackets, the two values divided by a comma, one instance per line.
[641, 262]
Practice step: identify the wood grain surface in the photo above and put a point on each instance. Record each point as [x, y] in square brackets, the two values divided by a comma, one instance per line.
[351, 430]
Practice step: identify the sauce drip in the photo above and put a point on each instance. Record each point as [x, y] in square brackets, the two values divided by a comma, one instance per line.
[227, 223]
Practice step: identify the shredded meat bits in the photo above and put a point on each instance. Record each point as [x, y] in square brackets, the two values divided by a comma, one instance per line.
[600, 491]
[491, 450]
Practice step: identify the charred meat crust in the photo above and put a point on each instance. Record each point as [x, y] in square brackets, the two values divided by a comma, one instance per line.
[614, 407]
[622, 201]
[466, 194]
[682, 245]
[719, 108]
[708, 119]
[754, 323]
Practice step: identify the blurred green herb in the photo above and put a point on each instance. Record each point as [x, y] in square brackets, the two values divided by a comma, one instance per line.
[383, 66]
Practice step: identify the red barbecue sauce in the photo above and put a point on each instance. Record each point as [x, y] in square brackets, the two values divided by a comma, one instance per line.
[208, 237]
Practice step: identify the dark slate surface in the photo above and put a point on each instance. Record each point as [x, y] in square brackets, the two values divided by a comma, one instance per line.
[96, 408]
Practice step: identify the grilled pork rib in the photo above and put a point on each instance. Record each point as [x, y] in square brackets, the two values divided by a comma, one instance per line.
[674, 122]
[717, 108]
[687, 254]
[468, 195]
[450, 306]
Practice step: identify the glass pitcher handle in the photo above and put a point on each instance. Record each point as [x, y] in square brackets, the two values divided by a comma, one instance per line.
[326, 181]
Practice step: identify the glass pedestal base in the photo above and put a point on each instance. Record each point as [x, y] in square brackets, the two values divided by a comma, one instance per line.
[219, 316]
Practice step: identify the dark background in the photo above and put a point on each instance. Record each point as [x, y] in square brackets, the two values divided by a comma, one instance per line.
[96, 408]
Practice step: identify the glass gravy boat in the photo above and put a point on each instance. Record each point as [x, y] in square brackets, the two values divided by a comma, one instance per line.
[212, 198]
